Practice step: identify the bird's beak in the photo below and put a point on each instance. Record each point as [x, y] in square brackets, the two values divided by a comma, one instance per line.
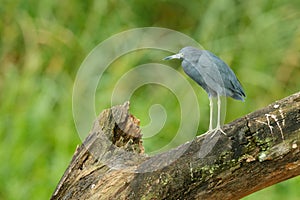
[176, 56]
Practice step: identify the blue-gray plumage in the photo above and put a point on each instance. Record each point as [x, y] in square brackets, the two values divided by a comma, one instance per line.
[212, 74]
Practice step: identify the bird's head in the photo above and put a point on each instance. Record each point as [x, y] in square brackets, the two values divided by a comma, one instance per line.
[184, 53]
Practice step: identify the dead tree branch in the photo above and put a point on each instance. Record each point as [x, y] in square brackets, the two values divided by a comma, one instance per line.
[259, 150]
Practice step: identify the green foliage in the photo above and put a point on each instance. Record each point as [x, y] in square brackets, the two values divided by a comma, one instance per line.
[44, 42]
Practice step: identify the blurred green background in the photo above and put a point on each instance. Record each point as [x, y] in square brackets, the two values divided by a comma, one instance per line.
[44, 42]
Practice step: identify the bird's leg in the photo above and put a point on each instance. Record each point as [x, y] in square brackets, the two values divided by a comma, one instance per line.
[219, 116]
[218, 128]
[211, 105]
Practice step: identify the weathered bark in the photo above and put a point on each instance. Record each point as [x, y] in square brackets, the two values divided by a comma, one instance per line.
[259, 150]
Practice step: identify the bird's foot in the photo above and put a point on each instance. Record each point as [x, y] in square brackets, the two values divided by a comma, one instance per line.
[215, 131]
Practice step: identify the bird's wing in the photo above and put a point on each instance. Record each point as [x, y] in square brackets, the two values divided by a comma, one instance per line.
[210, 72]
[217, 75]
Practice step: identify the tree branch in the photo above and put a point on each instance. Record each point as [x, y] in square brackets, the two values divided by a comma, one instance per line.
[259, 150]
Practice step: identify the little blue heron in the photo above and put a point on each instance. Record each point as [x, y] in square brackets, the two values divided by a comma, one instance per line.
[213, 75]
